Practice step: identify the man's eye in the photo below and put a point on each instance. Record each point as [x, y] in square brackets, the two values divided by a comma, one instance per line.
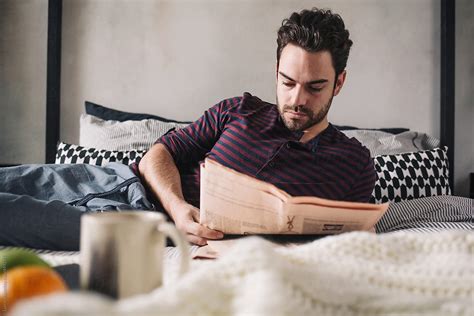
[313, 89]
[288, 84]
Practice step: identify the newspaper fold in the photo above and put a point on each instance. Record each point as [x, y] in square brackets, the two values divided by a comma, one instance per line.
[235, 203]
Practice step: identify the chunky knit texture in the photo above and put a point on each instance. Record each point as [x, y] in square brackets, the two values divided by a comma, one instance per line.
[400, 273]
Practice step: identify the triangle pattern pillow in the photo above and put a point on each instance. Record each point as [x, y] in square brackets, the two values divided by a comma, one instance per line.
[412, 175]
[72, 154]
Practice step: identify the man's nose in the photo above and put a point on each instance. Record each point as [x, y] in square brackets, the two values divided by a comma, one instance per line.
[299, 96]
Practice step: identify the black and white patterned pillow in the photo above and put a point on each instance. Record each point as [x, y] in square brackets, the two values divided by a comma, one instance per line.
[411, 175]
[71, 154]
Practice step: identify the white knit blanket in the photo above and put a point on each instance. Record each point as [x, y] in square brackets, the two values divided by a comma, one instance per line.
[402, 273]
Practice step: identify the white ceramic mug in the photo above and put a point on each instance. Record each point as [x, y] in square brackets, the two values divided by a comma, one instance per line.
[122, 252]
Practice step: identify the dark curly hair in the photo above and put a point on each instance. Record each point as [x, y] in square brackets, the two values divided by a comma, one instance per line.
[316, 30]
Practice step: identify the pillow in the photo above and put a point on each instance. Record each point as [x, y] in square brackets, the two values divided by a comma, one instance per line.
[71, 154]
[411, 175]
[382, 143]
[391, 130]
[114, 135]
[105, 113]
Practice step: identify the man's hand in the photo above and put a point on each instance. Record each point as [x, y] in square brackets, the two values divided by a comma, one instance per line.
[160, 174]
[186, 219]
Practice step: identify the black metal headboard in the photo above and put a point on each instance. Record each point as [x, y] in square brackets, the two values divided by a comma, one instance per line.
[447, 123]
[53, 80]
[447, 79]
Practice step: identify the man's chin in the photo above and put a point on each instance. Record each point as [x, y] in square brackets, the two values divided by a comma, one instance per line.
[295, 126]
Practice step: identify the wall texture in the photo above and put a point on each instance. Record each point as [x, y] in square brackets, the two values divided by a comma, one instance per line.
[177, 58]
[23, 34]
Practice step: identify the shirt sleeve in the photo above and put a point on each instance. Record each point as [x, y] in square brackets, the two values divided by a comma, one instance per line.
[192, 143]
[364, 183]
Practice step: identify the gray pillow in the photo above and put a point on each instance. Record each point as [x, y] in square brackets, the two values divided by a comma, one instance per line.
[382, 143]
[129, 135]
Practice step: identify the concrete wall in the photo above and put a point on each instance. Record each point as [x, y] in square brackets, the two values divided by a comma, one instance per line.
[23, 30]
[177, 58]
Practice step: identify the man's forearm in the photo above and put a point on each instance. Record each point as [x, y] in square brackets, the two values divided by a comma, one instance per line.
[161, 175]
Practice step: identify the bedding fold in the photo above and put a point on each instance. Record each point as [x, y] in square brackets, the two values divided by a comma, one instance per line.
[41, 205]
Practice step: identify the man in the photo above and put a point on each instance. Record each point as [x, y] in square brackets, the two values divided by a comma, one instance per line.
[290, 144]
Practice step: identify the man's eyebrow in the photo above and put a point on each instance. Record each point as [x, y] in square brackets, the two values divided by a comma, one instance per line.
[310, 83]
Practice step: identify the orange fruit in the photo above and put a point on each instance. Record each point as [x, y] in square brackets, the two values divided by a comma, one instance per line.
[28, 281]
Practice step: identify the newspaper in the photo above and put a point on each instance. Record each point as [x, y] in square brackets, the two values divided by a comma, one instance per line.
[235, 203]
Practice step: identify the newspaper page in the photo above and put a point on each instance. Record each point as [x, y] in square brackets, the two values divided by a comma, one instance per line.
[235, 203]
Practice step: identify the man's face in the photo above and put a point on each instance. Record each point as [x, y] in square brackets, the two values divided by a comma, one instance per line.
[305, 87]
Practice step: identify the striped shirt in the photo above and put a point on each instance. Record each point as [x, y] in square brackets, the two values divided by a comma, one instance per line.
[248, 135]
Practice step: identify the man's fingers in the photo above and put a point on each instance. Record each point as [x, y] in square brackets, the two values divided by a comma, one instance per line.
[196, 240]
[195, 232]
[195, 215]
[202, 231]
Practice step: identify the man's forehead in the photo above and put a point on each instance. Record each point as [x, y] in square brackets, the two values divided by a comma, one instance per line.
[299, 64]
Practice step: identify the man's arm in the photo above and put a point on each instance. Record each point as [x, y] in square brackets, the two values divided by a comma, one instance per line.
[364, 184]
[161, 175]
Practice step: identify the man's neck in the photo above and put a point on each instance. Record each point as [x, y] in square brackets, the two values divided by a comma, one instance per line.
[314, 131]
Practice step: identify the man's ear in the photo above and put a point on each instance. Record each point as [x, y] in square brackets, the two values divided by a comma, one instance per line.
[339, 82]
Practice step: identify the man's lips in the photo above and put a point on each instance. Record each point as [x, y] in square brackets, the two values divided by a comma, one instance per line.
[295, 115]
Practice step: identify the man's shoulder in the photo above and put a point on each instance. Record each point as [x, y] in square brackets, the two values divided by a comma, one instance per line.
[350, 148]
[245, 104]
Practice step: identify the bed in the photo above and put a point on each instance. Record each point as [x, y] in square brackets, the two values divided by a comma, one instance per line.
[404, 268]
[418, 262]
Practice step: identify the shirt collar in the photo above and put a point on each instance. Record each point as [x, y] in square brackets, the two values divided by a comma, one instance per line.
[312, 144]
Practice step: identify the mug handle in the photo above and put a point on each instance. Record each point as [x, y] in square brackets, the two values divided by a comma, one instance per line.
[180, 241]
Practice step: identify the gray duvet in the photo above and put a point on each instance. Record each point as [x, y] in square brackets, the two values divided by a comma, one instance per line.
[41, 205]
